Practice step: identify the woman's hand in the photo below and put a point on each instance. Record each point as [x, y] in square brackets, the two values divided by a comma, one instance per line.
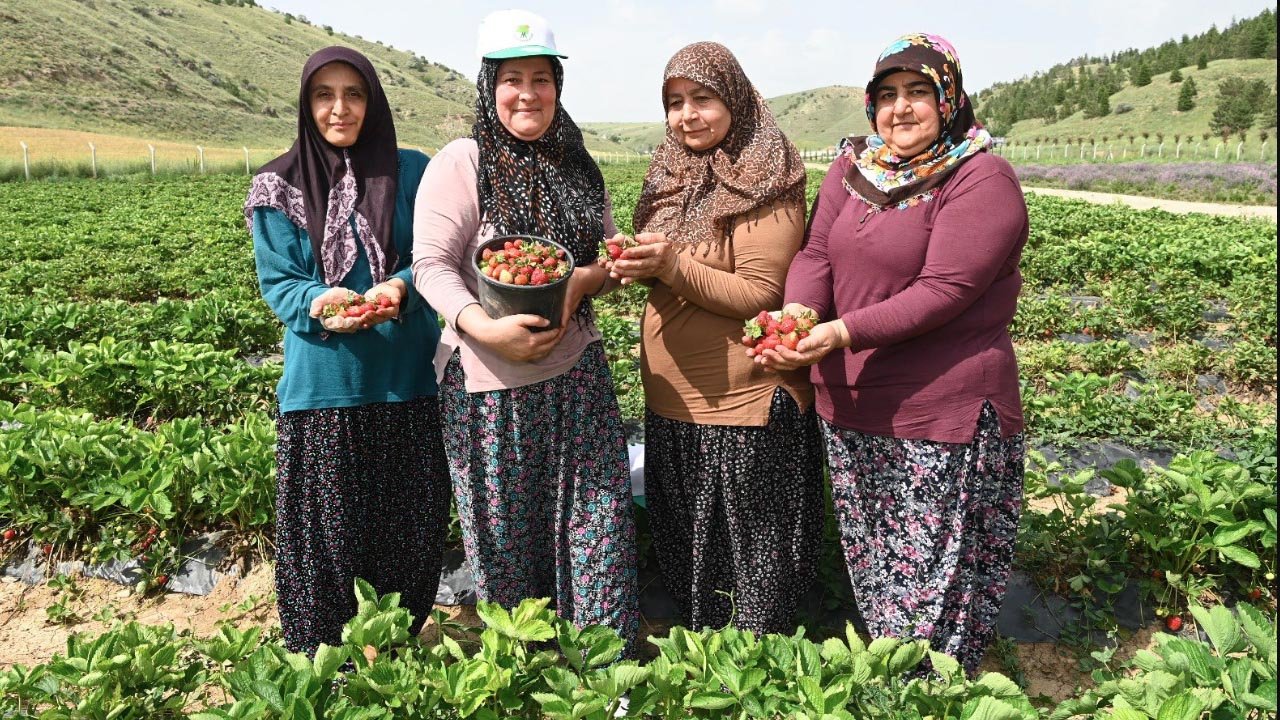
[394, 290]
[334, 324]
[512, 336]
[654, 257]
[822, 339]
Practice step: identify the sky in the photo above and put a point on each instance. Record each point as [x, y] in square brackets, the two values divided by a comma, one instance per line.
[617, 48]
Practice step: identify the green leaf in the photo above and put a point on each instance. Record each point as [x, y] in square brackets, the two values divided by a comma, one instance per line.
[1220, 625]
[999, 685]
[1233, 533]
[1183, 706]
[711, 700]
[1240, 556]
[989, 708]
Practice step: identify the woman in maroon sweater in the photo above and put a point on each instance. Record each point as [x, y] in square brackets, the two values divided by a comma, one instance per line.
[911, 258]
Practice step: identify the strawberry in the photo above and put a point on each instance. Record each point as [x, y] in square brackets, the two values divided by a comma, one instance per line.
[1254, 594]
[769, 342]
[786, 325]
[1173, 622]
[10, 534]
[384, 301]
[162, 580]
[520, 263]
[47, 549]
[538, 277]
[789, 340]
[521, 279]
[615, 252]
[505, 276]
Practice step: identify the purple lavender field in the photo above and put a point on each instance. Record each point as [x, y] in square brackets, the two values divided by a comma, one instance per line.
[1248, 183]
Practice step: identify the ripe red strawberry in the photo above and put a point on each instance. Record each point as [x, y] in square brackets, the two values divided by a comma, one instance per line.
[10, 534]
[786, 324]
[1254, 594]
[1173, 622]
[521, 279]
[162, 580]
[384, 301]
[615, 252]
[47, 549]
[768, 343]
[789, 340]
[538, 277]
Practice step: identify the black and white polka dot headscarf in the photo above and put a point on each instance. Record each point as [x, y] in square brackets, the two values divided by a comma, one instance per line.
[549, 187]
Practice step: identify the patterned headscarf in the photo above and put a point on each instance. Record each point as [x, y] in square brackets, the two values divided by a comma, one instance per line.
[693, 197]
[880, 177]
[320, 187]
[549, 187]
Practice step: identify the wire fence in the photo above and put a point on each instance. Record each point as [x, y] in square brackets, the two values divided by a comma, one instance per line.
[1194, 150]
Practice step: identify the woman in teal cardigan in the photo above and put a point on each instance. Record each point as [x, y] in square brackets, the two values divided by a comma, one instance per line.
[362, 485]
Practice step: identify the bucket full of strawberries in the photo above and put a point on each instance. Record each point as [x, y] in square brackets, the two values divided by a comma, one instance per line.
[523, 274]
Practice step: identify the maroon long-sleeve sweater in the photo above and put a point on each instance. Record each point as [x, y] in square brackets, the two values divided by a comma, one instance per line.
[927, 293]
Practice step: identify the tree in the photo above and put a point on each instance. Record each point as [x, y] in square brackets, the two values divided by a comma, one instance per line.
[1202, 62]
[1175, 76]
[1239, 100]
[1259, 41]
[1141, 74]
[1187, 95]
[1100, 105]
[1267, 116]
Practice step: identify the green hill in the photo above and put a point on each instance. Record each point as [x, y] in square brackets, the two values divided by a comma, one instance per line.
[199, 71]
[1153, 108]
[812, 119]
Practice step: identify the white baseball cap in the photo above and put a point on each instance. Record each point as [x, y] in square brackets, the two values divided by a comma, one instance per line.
[515, 33]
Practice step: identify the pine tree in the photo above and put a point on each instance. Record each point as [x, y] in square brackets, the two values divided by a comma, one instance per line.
[1141, 75]
[1238, 101]
[1202, 62]
[1187, 96]
[1259, 41]
[1175, 76]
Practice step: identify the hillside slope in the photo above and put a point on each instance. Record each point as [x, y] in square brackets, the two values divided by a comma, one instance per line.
[198, 71]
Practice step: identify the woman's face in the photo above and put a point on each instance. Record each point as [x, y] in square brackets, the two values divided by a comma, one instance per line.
[338, 101]
[907, 117]
[696, 114]
[526, 96]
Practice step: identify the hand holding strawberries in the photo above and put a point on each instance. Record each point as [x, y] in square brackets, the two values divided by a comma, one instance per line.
[821, 339]
[343, 311]
[652, 256]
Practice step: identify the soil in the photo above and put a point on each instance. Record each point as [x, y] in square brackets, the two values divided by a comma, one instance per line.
[27, 636]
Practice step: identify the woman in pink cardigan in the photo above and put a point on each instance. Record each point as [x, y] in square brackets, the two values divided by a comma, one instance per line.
[911, 258]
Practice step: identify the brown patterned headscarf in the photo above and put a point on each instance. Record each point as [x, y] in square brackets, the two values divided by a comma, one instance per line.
[693, 197]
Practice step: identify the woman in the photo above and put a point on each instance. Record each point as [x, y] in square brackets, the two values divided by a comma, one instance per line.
[912, 257]
[362, 489]
[733, 476]
[531, 423]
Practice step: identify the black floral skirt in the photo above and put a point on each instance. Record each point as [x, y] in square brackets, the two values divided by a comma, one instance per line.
[736, 514]
[928, 530]
[361, 492]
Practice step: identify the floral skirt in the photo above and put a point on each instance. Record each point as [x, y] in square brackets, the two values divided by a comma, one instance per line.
[736, 515]
[361, 492]
[543, 487]
[928, 530]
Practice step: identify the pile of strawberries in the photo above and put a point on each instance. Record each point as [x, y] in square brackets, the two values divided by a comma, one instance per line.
[612, 248]
[769, 330]
[355, 306]
[527, 262]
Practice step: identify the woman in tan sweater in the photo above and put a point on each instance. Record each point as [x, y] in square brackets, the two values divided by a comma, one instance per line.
[733, 472]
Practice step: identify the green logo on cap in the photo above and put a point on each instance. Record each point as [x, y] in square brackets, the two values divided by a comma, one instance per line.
[523, 32]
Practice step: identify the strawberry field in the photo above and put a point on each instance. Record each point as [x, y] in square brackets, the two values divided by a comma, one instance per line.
[137, 375]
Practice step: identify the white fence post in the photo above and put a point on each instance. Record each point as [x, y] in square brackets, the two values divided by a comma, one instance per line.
[1262, 154]
[201, 151]
[26, 163]
[1160, 150]
[151, 149]
[246, 159]
[93, 159]
[1215, 151]
[1238, 149]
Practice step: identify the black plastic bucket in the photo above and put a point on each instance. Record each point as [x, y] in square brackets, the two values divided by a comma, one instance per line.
[500, 299]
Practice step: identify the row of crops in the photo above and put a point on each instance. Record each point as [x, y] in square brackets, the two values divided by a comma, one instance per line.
[137, 373]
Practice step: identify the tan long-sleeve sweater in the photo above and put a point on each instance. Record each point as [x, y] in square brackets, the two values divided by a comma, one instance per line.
[693, 363]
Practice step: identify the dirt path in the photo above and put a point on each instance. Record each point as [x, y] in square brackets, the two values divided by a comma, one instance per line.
[1267, 212]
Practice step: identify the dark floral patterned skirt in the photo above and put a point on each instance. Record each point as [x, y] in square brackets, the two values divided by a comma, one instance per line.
[361, 492]
[543, 487]
[928, 530]
[736, 515]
